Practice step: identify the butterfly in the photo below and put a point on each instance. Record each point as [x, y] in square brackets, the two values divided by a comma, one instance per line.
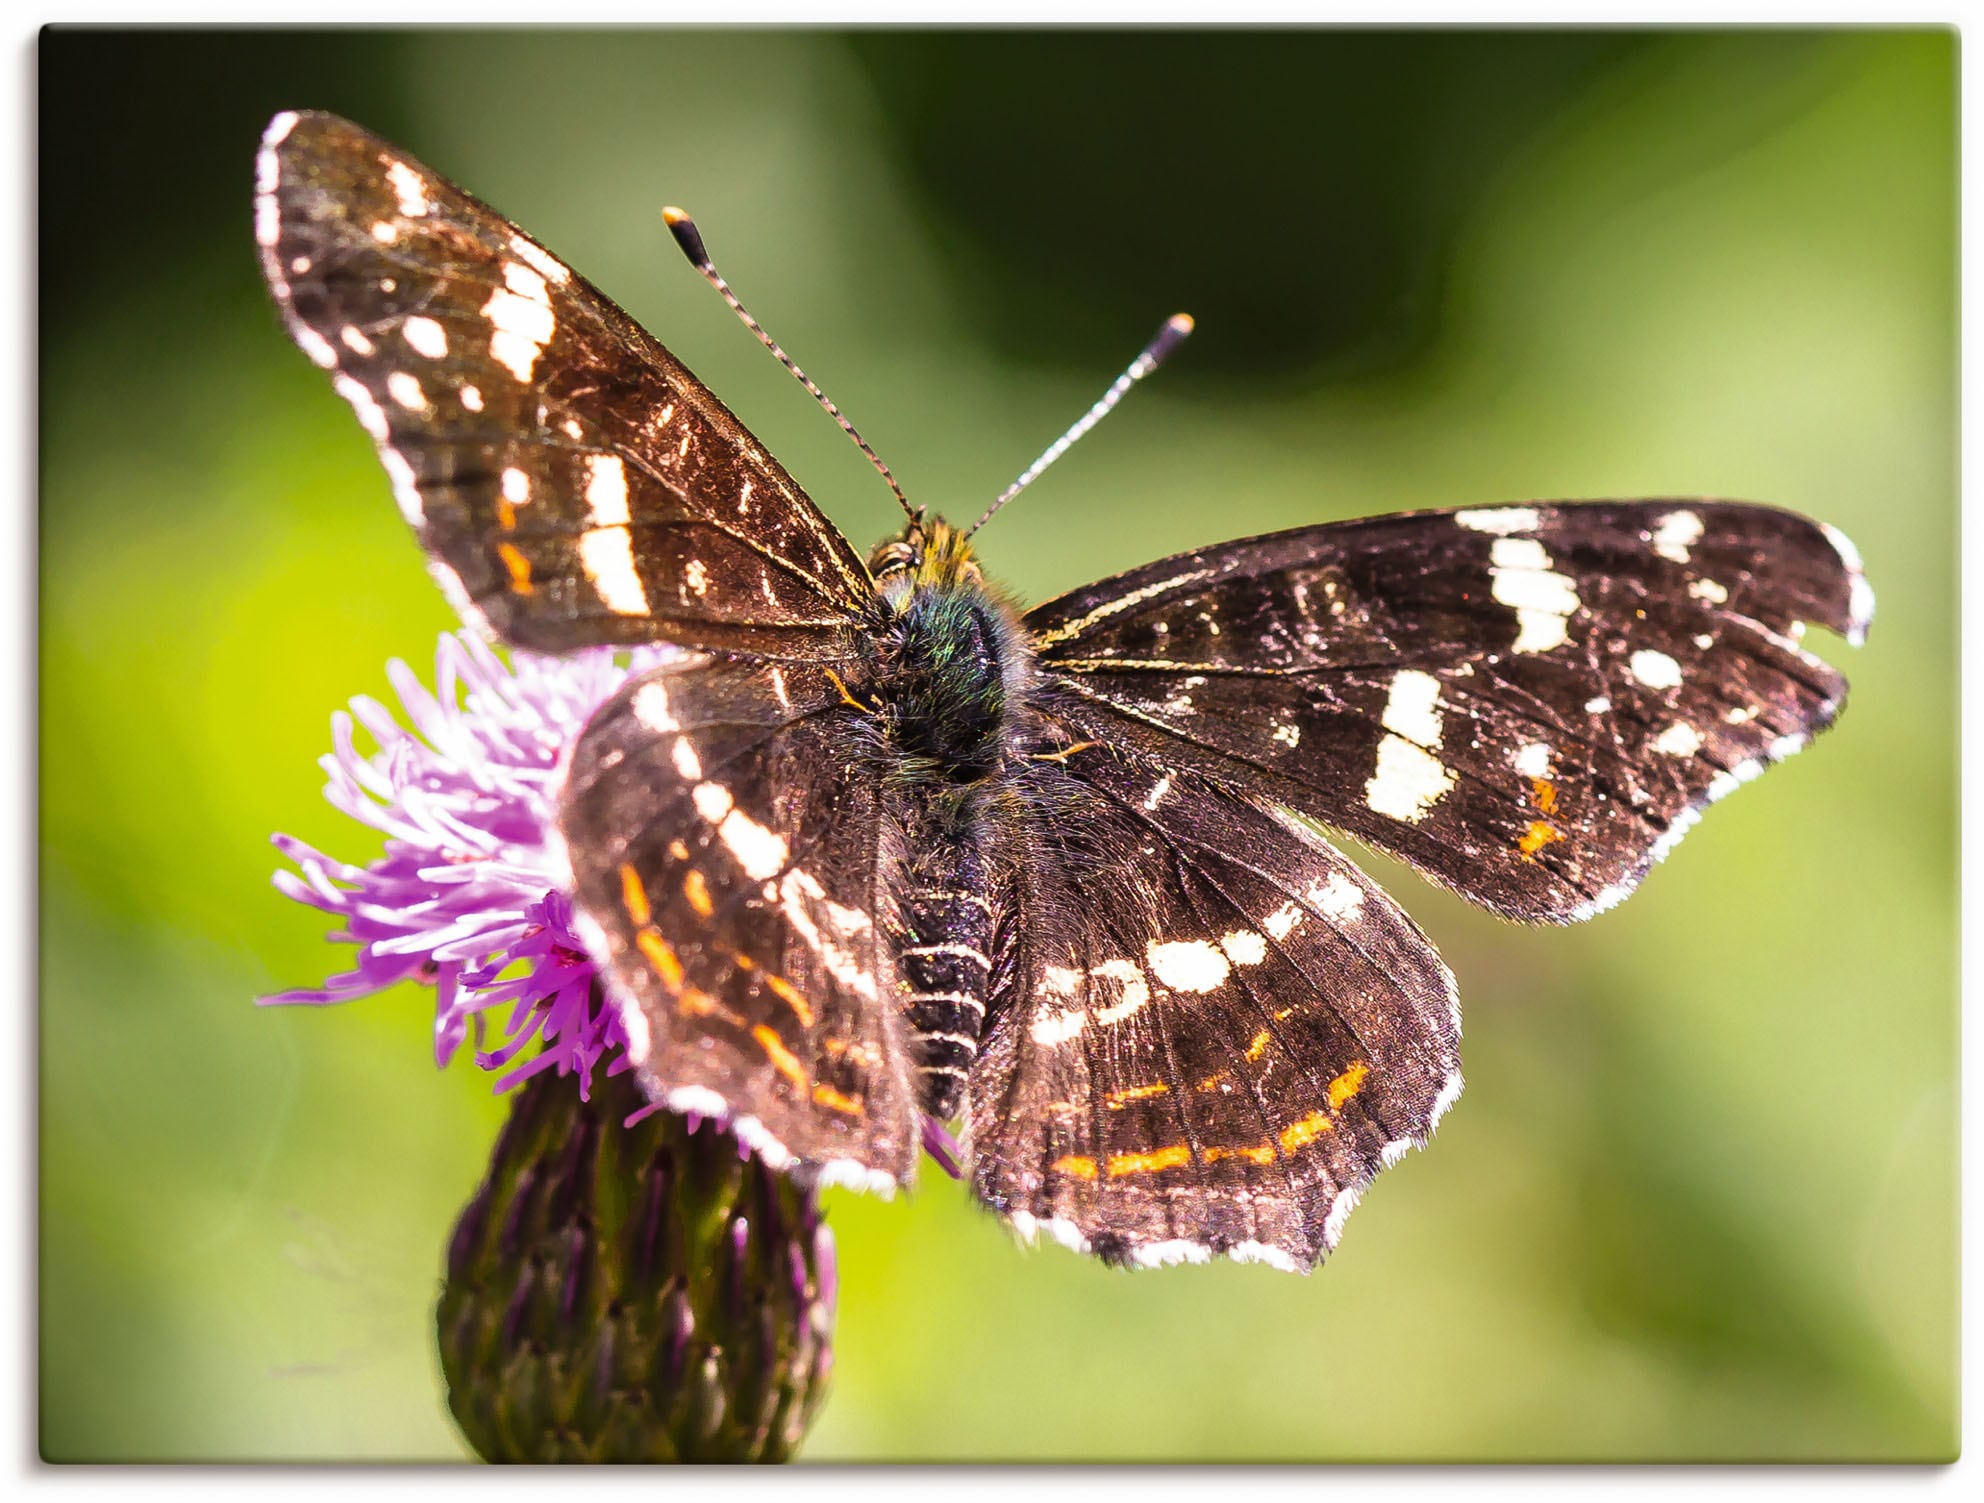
[880, 844]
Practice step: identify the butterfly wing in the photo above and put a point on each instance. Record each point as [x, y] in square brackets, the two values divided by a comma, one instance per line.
[573, 483]
[1530, 704]
[728, 848]
[1223, 1032]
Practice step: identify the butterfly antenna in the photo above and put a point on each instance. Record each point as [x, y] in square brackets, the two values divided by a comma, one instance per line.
[691, 240]
[1154, 354]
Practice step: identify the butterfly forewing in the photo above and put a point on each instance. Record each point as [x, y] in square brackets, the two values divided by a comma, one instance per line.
[1229, 1029]
[1530, 704]
[730, 850]
[573, 483]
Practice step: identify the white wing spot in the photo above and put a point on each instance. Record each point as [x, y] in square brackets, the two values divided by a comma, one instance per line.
[405, 490]
[1597, 705]
[607, 556]
[268, 167]
[1288, 733]
[405, 390]
[409, 189]
[1412, 707]
[525, 283]
[1135, 989]
[1533, 760]
[1189, 965]
[1679, 740]
[547, 265]
[606, 490]
[1709, 590]
[1675, 533]
[1408, 782]
[516, 486]
[1281, 923]
[472, 398]
[1544, 601]
[697, 576]
[1655, 669]
[1157, 792]
[1498, 519]
[761, 852]
[1340, 899]
[686, 761]
[1244, 947]
[385, 231]
[316, 347]
[354, 340]
[651, 708]
[426, 336]
[1057, 1027]
[524, 323]
[268, 222]
[370, 416]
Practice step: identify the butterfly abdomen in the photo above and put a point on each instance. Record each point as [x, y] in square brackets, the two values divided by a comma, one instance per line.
[945, 961]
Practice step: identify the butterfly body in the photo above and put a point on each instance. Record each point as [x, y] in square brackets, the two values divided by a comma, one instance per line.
[948, 661]
[878, 844]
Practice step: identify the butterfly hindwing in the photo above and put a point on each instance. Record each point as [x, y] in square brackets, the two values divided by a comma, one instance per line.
[1225, 1029]
[1530, 704]
[728, 846]
[572, 482]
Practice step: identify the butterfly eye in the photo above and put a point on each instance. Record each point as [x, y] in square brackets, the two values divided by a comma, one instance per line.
[892, 557]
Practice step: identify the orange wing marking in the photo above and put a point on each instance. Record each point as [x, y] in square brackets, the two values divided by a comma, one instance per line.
[635, 896]
[1149, 1163]
[661, 958]
[783, 1059]
[697, 891]
[1535, 838]
[518, 565]
[1254, 1153]
[827, 1096]
[1348, 1084]
[1310, 1128]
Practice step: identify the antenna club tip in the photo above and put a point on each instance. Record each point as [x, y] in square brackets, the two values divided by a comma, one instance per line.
[1181, 323]
[683, 228]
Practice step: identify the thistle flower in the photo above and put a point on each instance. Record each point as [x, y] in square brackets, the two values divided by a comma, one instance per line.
[624, 1286]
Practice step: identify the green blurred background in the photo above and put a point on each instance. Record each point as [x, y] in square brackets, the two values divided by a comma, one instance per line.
[1699, 1199]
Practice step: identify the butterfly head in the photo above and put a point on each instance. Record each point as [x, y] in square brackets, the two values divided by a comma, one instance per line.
[925, 555]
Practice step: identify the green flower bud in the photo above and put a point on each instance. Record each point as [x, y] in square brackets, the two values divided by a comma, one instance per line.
[643, 1293]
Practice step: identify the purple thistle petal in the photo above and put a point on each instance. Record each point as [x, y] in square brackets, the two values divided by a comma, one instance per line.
[468, 885]
[941, 1146]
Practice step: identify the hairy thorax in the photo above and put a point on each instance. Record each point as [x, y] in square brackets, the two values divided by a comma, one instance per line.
[951, 668]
